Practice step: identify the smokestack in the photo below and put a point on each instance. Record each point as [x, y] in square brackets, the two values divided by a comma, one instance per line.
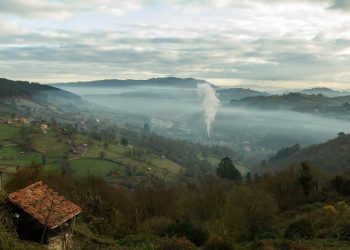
[210, 104]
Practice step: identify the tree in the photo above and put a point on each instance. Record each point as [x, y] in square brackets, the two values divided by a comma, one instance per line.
[300, 229]
[146, 128]
[306, 178]
[43, 160]
[249, 178]
[102, 154]
[285, 152]
[341, 134]
[249, 212]
[124, 142]
[227, 170]
[27, 144]
[341, 184]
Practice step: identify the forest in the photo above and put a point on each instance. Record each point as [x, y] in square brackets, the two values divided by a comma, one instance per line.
[301, 207]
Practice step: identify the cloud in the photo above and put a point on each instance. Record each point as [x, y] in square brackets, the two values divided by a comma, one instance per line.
[34, 8]
[341, 5]
[240, 40]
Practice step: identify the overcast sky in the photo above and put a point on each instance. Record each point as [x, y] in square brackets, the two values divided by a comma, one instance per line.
[268, 42]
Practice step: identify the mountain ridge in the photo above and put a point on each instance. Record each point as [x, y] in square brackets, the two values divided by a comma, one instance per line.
[165, 81]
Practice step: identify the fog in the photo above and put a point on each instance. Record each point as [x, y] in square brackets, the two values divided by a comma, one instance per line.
[178, 113]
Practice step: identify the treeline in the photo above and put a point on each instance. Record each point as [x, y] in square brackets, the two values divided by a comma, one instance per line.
[332, 155]
[9, 88]
[39, 92]
[277, 210]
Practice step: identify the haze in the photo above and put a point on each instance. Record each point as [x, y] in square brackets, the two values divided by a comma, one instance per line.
[178, 113]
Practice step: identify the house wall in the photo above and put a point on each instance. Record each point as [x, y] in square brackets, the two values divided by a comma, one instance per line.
[62, 242]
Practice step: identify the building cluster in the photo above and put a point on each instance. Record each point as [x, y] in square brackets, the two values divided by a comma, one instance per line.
[19, 120]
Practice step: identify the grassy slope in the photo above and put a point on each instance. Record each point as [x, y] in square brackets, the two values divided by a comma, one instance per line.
[118, 162]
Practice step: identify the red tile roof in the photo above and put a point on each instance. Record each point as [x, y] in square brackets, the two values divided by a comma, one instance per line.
[44, 204]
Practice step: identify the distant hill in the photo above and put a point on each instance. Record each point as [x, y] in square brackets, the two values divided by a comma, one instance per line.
[324, 91]
[289, 101]
[332, 155]
[36, 100]
[166, 81]
[227, 95]
[263, 88]
[34, 91]
[336, 107]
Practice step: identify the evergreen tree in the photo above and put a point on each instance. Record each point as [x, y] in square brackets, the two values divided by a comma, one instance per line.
[228, 170]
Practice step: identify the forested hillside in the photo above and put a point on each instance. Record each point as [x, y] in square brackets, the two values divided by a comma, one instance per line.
[332, 155]
[24, 89]
[337, 107]
[226, 95]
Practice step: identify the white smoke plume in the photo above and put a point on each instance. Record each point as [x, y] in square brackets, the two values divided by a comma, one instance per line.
[211, 104]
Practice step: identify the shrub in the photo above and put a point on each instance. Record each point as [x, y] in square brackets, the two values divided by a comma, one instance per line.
[156, 225]
[300, 229]
[187, 229]
[176, 244]
[249, 212]
[218, 243]
[142, 241]
[344, 231]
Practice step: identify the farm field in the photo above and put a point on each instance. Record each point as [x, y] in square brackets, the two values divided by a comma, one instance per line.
[94, 167]
[81, 156]
[8, 132]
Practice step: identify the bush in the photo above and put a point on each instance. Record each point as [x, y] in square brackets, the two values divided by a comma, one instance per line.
[142, 241]
[249, 212]
[194, 233]
[218, 243]
[156, 225]
[344, 231]
[300, 229]
[176, 244]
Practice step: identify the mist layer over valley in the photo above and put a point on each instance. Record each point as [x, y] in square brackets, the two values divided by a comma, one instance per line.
[177, 112]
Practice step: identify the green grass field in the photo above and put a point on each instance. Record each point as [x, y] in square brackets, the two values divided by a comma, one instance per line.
[28, 103]
[164, 164]
[8, 132]
[50, 144]
[111, 151]
[11, 151]
[119, 164]
[118, 161]
[96, 167]
[53, 167]
[12, 156]
[152, 167]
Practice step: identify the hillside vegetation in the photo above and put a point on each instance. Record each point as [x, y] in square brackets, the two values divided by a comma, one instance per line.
[337, 107]
[332, 155]
[297, 208]
[33, 91]
[115, 155]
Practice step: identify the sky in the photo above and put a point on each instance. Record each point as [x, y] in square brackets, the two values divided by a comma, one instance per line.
[276, 43]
